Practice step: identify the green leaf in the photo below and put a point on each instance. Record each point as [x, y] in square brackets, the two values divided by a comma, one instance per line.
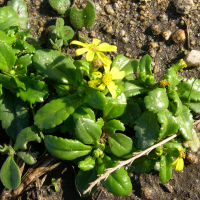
[100, 122]
[83, 112]
[172, 77]
[165, 168]
[12, 120]
[66, 149]
[156, 100]
[55, 66]
[83, 180]
[7, 13]
[36, 91]
[10, 174]
[123, 63]
[25, 60]
[27, 157]
[194, 144]
[114, 107]
[87, 131]
[185, 121]
[24, 47]
[62, 89]
[26, 135]
[189, 90]
[95, 99]
[168, 124]
[134, 87]
[145, 64]
[84, 66]
[147, 129]
[7, 57]
[176, 105]
[121, 145]
[194, 106]
[118, 182]
[113, 125]
[60, 5]
[174, 143]
[21, 9]
[83, 18]
[6, 39]
[87, 164]
[56, 111]
[68, 125]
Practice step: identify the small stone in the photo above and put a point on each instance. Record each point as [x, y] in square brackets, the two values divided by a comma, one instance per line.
[138, 45]
[109, 9]
[164, 18]
[108, 29]
[92, 34]
[193, 59]
[116, 6]
[179, 36]
[97, 7]
[152, 53]
[191, 158]
[166, 34]
[155, 29]
[153, 45]
[182, 23]
[42, 22]
[40, 29]
[122, 33]
[192, 42]
[155, 69]
[184, 6]
[125, 40]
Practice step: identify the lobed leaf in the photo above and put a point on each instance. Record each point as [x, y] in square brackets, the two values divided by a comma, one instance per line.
[113, 125]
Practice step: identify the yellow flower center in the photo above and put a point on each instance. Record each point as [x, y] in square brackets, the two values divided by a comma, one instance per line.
[181, 153]
[93, 48]
[107, 78]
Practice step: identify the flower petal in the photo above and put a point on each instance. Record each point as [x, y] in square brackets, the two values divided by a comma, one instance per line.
[96, 41]
[116, 74]
[175, 163]
[81, 51]
[79, 43]
[106, 47]
[96, 84]
[112, 89]
[97, 74]
[90, 56]
[107, 68]
[105, 59]
[180, 165]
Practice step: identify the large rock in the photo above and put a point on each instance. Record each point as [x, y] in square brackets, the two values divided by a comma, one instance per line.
[184, 6]
[193, 59]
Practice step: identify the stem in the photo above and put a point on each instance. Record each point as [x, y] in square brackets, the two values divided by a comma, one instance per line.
[126, 162]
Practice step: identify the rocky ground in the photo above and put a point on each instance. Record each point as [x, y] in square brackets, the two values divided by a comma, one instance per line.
[165, 29]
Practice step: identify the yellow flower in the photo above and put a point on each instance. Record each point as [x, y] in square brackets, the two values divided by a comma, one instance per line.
[107, 80]
[179, 163]
[93, 49]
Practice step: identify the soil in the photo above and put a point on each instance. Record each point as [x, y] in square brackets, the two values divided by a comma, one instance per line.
[135, 27]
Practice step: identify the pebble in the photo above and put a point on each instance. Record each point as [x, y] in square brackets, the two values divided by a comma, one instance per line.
[115, 6]
[192, 59]
[184, 6]
[163, 18]
[152, 53]
[191, 158]
[109, 9]
[138, 45]
[155, 69]
[155, 29]
[179, 36]
[166, 34]
[92, 34]
[125, 40]
[122, 33]
[108, 29]
[97, 7]
[153, 45]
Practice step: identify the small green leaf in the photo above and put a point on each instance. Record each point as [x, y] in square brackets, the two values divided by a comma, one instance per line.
[60, 5]
[87, 164]
[113, 125]
[11, 120]
[6, 39]
[121, 145]
[185, 121]
[7, 13]
[100, 122]
[20, 8]
[25, 60]
[83, 18]
[66, 149]
[145, 64]
[172, 77]
[24, 47]
[118, 182]
[156, 100]
[114, 107]
[147, 129]
[168, 124]
[10, 174]
[27, 157]
[130, 66]
[87, 131]
[165, 168]
[83, 180]
[83, 112]
[174, 143]
[7, 57]
[189, 90]
[95, 98]
[55, 66]
[36, 91]
[134, 87]
[26, 135]
[56, 111]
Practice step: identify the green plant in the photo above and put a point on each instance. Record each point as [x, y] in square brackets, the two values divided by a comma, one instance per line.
[111, 114]
[60, 5]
